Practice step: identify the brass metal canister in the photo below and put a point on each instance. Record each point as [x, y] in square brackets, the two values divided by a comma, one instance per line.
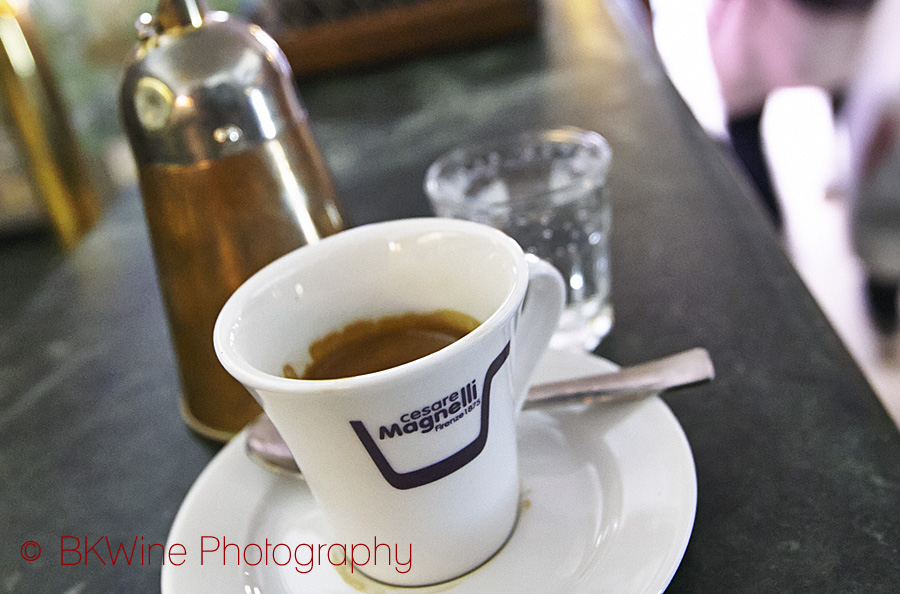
[231, 179]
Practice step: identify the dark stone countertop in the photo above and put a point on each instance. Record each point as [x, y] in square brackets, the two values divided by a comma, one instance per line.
[798, 465]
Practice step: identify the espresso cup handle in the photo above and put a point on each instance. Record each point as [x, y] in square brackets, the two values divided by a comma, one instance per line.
[545, 299]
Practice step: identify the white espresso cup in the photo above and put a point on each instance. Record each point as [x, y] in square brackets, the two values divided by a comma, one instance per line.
[421, 456]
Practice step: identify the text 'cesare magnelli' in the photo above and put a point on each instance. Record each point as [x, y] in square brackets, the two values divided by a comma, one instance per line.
[214, 550]
[435, 416]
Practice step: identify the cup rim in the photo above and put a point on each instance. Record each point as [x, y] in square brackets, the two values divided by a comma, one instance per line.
[563, 135]
[230, 315]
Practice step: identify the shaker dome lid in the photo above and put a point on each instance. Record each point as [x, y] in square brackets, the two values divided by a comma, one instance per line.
[203, 85]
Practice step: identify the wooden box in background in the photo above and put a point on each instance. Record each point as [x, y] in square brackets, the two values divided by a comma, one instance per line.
[325, 35]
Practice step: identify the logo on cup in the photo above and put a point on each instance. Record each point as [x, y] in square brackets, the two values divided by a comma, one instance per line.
[450, 464]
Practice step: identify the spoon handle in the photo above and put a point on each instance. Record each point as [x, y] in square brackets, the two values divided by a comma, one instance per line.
[265, 446]
[629, 383]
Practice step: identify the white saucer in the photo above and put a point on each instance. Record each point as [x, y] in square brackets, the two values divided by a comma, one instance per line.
[609, 496]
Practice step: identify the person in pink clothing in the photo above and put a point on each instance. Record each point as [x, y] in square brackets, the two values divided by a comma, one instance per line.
[759, 46]
[872, 118]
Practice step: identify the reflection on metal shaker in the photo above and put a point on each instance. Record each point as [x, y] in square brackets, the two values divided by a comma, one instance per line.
[231, 179]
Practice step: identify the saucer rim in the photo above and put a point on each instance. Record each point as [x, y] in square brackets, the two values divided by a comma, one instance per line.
[233, 453]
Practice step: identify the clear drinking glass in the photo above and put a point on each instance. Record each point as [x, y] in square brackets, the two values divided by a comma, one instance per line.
[547, 190]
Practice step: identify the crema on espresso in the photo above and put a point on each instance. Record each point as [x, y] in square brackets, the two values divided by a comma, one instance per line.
[368, 346]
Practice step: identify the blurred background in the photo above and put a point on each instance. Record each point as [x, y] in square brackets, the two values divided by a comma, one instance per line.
[808, 152]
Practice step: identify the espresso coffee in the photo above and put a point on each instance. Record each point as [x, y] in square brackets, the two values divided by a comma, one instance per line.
[367, 346]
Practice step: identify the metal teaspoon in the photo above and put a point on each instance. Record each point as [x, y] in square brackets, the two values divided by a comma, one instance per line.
[693, 366]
